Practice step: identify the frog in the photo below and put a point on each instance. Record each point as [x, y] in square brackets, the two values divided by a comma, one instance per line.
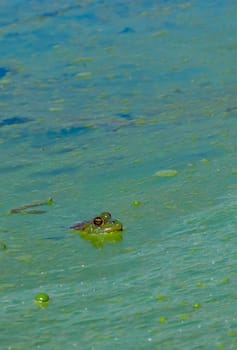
[102, 224]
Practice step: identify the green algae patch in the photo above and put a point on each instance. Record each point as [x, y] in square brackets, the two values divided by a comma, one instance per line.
[161, 298]
[166, 173]
[83, 60]
[3, 246]
[233, 333]
[42, 300]
[7, 286]
[225, 281]
[84, 75]
[27, 259]
[137, 203]
[185, 317]
[99, 240]
[5, 82]
[196, 306]
[160, 34]
[163, 320]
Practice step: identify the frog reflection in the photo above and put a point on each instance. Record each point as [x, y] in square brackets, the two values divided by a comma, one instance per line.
[102, 224]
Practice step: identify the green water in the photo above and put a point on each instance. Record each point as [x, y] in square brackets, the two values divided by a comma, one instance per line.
[105, 97]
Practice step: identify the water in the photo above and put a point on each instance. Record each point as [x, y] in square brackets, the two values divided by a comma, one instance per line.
[96, 98]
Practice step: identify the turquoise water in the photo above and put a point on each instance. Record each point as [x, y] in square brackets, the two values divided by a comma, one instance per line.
[96, 100]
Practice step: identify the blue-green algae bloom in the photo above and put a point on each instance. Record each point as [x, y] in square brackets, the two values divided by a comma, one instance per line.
[100, 230]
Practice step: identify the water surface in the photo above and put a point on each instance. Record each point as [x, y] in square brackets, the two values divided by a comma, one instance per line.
[97, 98]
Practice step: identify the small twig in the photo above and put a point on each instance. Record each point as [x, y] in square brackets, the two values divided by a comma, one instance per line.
[24, 208]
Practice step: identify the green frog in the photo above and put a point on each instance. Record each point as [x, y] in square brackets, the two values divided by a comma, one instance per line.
[101, 224]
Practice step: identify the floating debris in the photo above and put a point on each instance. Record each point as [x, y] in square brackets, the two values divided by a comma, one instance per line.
[26, 209]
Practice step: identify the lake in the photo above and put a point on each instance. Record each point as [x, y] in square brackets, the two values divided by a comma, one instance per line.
[128, 107]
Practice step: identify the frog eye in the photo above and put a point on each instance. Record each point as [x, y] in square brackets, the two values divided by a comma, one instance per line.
[106, 216]
[98, 221]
